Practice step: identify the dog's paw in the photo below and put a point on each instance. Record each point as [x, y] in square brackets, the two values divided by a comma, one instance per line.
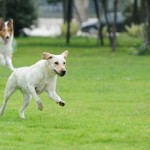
[61, 103]
[1, 112]
[40, 106]
[22, 116]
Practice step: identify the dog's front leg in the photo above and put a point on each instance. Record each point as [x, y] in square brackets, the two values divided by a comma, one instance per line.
[36, 97]
[9, 63]
[2, 60]
[53, 95]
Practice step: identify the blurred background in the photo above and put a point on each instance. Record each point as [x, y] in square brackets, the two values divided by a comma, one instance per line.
[87, 18]
[106, 88]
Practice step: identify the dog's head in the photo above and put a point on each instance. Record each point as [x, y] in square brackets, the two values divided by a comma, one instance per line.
[6, 29]
[56, 63]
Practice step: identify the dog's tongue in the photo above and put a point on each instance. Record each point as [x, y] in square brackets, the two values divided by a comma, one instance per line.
[4, 40]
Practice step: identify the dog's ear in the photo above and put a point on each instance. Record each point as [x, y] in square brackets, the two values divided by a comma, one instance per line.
[10, 23]
[1, 23]
[47, 56]
[65, 53]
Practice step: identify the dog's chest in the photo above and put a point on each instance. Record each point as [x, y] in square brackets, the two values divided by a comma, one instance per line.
[40, 87]
[5, 48]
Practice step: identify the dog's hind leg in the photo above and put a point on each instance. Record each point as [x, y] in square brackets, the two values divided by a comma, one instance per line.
[25, 103]
[11, 87]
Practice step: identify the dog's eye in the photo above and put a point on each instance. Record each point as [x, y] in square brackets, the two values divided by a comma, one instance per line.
[10, 30]
[64, 63]
[56, 63]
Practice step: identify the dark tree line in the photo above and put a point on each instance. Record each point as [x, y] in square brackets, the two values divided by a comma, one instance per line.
[112, 28]
[24, 14]
[22, 11]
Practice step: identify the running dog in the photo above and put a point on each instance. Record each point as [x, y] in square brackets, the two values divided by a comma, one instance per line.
[6, 42]
[38, 78]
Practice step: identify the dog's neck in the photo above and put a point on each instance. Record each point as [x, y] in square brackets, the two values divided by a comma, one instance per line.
[49, 72]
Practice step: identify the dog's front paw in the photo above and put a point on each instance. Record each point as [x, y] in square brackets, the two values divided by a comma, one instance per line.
[40, 106]
[1, 112]
[61, 103]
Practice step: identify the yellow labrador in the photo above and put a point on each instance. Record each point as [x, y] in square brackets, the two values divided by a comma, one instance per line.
[38, 78]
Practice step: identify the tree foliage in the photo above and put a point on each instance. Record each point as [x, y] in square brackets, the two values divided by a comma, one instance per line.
[22, 11]
[54, 1]
[145, 47]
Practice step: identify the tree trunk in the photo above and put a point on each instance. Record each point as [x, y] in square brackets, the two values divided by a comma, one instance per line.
[104, 3]
[81, 8]
[114, 27]
[65, 10]
[135, 17]
[148, 21]
[100, 35]
[69, 17]
[112, 30]
[77, 13]
[145, 47]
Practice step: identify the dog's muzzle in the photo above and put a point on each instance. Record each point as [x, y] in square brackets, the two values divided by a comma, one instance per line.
[61, 73]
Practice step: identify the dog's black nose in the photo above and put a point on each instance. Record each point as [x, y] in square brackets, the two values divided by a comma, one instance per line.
[63, 72]
[7, 37]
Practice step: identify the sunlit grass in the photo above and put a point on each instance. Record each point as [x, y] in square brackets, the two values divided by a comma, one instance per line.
[107, 99]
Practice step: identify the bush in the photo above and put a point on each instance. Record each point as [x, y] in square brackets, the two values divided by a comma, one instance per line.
[73, 28]
[143, 50]
[145, 47]
[134, 30]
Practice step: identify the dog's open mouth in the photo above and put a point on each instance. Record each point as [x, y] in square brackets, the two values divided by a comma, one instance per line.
[5, 39]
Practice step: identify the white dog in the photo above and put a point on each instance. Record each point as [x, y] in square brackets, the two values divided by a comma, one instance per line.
[38, 78]
[6, 43]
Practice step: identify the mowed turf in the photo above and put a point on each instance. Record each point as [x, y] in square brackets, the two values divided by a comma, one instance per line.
[107, 99]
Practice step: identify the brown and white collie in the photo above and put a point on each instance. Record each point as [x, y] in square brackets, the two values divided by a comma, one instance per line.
[6, 43]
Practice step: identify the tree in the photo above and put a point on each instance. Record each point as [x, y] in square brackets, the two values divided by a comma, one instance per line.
[147, 36]
[114, 27]
[69, 17]
[64, 4]
[145, 47]
[81, 7]
[135, 17]
[111, 28]
[22, 11]
[97, 11]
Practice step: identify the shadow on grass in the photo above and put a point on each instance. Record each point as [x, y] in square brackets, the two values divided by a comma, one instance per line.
[75, 42]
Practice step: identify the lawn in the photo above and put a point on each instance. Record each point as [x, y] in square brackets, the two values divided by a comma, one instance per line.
[107, 99]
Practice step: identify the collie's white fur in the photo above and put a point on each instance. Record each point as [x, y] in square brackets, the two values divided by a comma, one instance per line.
[6, 42]
[38, 78]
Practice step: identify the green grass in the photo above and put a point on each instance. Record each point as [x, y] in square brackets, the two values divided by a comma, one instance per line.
[107, 99]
